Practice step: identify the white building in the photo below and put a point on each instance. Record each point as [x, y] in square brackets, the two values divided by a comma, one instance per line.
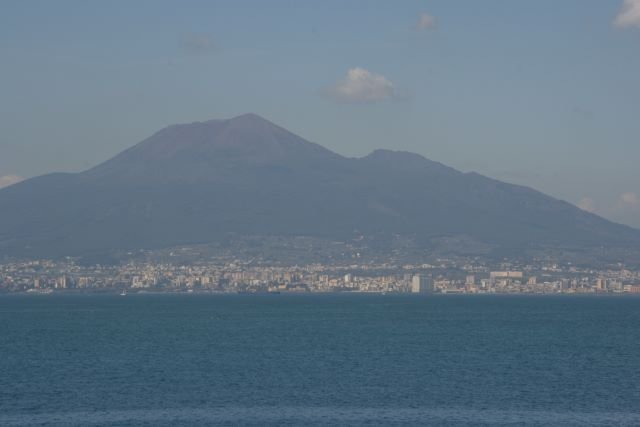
[421, 284]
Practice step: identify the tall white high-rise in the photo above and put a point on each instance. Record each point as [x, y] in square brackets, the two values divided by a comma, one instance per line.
[421, 284]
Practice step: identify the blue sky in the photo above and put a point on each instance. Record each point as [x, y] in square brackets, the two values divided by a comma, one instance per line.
[543, 93]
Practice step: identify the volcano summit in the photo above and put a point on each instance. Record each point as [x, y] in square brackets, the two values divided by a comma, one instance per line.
[200, 182]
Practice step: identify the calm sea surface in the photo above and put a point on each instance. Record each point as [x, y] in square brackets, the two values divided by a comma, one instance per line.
[157, 360]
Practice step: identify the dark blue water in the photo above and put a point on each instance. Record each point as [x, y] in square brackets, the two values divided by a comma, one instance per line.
[319, 360]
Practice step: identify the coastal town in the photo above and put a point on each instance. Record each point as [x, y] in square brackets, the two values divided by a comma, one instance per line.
[441, 276]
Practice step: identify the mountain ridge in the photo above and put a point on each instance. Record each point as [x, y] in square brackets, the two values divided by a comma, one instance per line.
[200, 181]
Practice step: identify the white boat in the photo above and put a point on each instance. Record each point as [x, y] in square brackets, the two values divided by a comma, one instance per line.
[40, 291]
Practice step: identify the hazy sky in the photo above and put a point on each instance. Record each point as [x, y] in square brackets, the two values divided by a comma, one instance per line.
[544, 93]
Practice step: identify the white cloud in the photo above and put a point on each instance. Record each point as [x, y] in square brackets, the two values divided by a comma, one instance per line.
[587, 204]
[629, 200]
[629, 15]
[8, 180]
[197, 43]
[425, 22]
[362, 86]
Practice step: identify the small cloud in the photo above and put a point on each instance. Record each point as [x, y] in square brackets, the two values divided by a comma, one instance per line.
[362, 86]
[425, 22]
[197, 43]
[587, 204]
[629, 15]
[8, 180]
[629, 200]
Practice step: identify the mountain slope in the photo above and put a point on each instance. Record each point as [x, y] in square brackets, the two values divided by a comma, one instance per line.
[198, 182]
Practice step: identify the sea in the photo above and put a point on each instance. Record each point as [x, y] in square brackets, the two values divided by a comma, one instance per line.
[319, 360]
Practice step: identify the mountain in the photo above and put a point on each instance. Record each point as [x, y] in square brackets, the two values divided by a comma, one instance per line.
[200, 182]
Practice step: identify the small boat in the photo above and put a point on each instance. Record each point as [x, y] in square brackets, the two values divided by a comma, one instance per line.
[46, 291]
[123, 293]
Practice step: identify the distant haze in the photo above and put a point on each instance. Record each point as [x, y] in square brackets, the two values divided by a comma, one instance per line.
[540, 93]
[210, 182]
